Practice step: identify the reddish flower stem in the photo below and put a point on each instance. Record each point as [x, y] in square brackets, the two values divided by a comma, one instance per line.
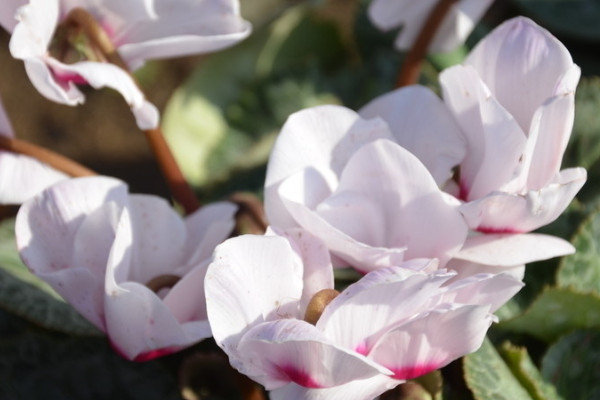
[411, 68]
[49, 157]
[180, 189]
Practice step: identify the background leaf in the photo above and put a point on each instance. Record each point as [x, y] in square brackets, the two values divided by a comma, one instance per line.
[573, 365]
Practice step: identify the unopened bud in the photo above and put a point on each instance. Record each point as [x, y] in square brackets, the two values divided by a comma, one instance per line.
[317, 304]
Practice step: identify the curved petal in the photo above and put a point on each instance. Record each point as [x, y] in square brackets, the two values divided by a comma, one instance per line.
[100, 75]
[279, 352]
[507, 250]
[32, 35]
[522, 64]
[23, 177]
[42, 78]
[513, 213]
[139, 324]
[389, 14]
[380, 300]
[159, 236]
[64, 235]
[432, 340]
[318, 271]
[495, 142]
[403, 206]
[251, 280]
[423, 125]
[206, 228]
[322, 138]
[360, 389]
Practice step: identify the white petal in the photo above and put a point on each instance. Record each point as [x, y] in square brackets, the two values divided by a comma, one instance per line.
[8, 11]
[33, 33]
[322, 138]
[279, 352]
[522, 64]
[422, 124]
[23, 177]
[512, 213]
[432, 341]
[373, 305]
[100, 75]
[252, 279]
[507, 250]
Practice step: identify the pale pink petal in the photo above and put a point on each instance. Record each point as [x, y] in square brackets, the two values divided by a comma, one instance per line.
[495, 142]
[8, 12]
[388, 195]
[423, 125]
[100, 75]
[432, 340]
[32, 35]
[322, 138]
[51, 87]
[522, 64]
[389, 14]
[159, 237]
[182, 27]
[360, 389]
[288, 350]
[493, 289]
[139, 324]
[318, 271]
[551, 126]
[507, 250]
[23, 177]
[466, 269]
[206, 228]
[244, 286]
[514, 213]
[64, 235]
[380, 300]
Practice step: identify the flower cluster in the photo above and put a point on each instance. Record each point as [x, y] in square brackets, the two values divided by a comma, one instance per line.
[432, 201]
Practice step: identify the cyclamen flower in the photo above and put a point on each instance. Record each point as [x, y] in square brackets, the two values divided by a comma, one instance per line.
[344, 180]
[99, 247]
[412, 14]
[392, 325]
[514, 101]
[22, 177]
[140, 30]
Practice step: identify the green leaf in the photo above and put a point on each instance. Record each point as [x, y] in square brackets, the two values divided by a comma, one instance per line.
[35, 366]
[573, 365]
[527, 373]
[555, 312]
[581, 270]
[575, 18]
[488, 376]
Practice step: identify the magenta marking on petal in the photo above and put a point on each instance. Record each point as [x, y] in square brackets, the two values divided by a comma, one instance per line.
[362, 349]
[463, 191]
[299, 377]
[70, 77]
[152, 354]
[493, 229]
[405, 373]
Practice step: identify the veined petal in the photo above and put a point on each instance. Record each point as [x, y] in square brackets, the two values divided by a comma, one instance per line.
[394, 186]
[322, 138]
[423, 125]
[360, 389]
[279, 352]
[206, 228]
[501, 212]
[244, 286]
[507, 250]
[380, 300]
[495, 142]
[432, 340]
[64, 235]
[23, 177]
[522, 64]
[100, 75]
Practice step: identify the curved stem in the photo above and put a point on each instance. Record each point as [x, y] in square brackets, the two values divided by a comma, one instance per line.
[49, 157]
[180, 189]
[411, 68]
